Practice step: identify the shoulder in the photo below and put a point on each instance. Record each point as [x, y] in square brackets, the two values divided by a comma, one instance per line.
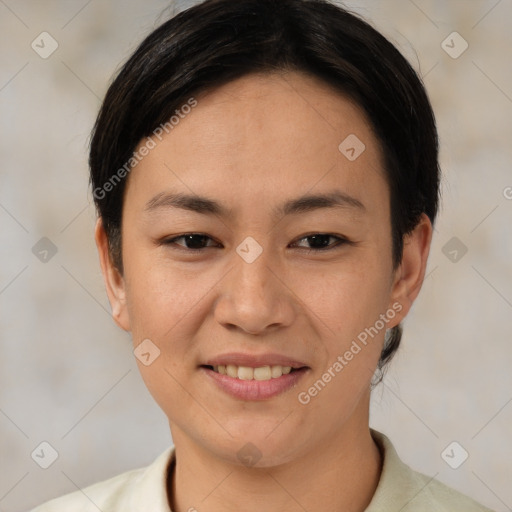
[125, 492]
[402, 488]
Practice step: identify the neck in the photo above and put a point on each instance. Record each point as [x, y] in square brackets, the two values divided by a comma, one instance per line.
[341, 473]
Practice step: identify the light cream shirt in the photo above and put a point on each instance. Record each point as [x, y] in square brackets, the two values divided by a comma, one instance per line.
[400, 489]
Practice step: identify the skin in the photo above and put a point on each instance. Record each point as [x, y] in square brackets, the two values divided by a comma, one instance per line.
[252, 145]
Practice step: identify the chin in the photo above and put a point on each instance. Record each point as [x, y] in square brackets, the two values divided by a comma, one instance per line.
[258, 450]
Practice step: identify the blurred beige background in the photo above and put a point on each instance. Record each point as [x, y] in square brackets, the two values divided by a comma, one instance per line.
[67, 374]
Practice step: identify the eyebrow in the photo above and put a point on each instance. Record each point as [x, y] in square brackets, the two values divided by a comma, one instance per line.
[207, 206]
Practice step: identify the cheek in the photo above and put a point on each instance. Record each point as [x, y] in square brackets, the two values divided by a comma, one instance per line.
[347, 298]
[162, 303]
[349, 303]
[160, 296]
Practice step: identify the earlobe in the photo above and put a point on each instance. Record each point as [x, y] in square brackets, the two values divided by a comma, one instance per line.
[114, 281]
[410, 274]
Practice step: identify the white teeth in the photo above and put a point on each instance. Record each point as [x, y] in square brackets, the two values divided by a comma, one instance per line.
[263, 373]
[276, 371]
[245, 373]
[248, 373]
[232, 371]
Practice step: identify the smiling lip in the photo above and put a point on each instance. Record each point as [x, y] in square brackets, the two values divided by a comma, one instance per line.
[254, 389]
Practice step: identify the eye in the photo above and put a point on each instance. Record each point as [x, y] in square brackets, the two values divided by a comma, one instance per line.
[191, 241]
[322, 241]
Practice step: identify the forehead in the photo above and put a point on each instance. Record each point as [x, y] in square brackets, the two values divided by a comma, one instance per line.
[265, 136]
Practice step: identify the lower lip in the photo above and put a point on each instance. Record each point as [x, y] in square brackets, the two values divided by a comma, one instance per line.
[255, 389]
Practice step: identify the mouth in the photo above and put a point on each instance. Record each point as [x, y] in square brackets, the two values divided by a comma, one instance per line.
[249, 383]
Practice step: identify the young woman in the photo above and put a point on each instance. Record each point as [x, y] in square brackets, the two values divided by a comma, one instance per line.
[266, 178]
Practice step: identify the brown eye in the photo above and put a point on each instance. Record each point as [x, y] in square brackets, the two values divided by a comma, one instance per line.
[192, 241]
[322, 242]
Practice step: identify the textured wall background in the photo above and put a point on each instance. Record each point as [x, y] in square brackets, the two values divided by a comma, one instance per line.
[67, 374]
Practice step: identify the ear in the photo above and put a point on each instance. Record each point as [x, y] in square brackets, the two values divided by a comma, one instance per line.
[114, 281]
[409, 276]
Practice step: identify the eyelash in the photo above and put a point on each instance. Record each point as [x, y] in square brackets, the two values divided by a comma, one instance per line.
[340, 241]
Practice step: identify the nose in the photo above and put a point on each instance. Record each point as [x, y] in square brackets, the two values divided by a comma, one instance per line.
[254, 298]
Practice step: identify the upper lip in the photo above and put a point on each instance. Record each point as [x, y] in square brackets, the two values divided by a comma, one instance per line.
[253, 360]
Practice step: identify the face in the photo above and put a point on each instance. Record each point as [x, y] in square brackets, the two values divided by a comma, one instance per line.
[254, 237]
